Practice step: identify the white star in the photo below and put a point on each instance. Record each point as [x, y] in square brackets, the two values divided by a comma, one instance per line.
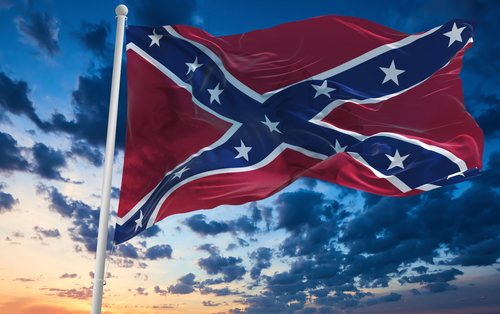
[193, 66]
[271, 125]
[243, 151]
[323, 89]
[337, 147]
[397, 160]
[214, 93]
[138, 222]
[391, 73]
[155, 38]
[179, 173]
[455, 34]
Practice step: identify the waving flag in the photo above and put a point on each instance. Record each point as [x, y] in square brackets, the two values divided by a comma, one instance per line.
[233, 119]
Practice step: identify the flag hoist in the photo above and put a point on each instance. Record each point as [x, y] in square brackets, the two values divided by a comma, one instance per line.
[102, 237]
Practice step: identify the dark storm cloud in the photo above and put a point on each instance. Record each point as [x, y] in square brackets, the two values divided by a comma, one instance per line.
[218, 292]
[310, 219]
[256, 215]
[140, 291]
[420, 269]
[243, 224]
[180, 289]
[217, 264]
[84, 151]
[491, 177]
[66, 275]
[7, 201]
[383, 240]
[161, 292]
[272, 304]
[187, 279]
[285, 283]
[48, 233]
[443, 276]
[94, 37]
[161, 13]
[90, 102]
[82, 293]
[267, 216]
[232, 272]
[150, 232]
[90, 99]
[362, 231]
[14, 99]
[210, 248]
[473, 219]
[91, 107]
[298, 209]
[310, 242]
[318, 280]
[262, 258]
[488, 116]
[10, 155]
[86, 230]
[40, 31]
[481, 254]
[200, 226]
[48, 162]
[242, 242]
[127, 250]
[439, 287]
[393, 297]
[184, 285]
[85, 220]
[261, 213]
[210, 282]
[24, 279]
[63, 205]
[392, 236]
[159, 252]
[17, 234]
[209, 303]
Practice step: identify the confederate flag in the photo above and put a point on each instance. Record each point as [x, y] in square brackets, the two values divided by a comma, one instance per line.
[233, 119]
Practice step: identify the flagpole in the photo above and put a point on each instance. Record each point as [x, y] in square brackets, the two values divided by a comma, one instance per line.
[102, 237]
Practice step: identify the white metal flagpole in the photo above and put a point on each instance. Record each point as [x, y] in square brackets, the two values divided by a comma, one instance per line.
[102, 237]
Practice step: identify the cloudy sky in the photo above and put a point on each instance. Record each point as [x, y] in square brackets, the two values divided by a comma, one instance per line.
[312, 248]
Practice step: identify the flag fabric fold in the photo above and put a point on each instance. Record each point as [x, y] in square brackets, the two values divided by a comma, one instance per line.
[233, 119]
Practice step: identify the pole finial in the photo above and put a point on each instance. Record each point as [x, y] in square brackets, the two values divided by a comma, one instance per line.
[121, 10]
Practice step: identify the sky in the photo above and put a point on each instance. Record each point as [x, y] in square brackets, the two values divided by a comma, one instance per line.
[314, 247]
